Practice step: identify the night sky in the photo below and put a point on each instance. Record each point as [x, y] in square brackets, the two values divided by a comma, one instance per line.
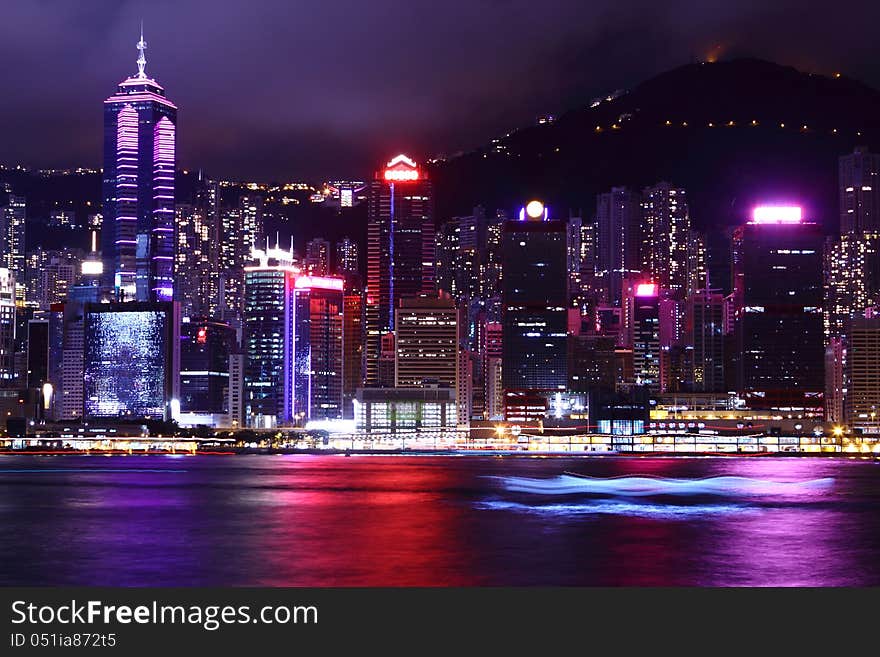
[281, 89]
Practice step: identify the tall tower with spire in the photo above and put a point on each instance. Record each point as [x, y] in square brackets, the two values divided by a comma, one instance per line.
[140, 145]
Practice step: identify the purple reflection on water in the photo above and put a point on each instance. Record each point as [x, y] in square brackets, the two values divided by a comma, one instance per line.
[435, 521]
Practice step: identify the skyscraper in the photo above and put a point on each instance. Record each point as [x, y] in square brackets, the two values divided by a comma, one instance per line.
[131, 359]
[618, 243]
[400, 249]
[197, 252]
[427, 342]
[12, 236]
[317, 260]
[137, 237]
[705, 326]
[317, 367]
[534, 300]
[347, 261]
[646, 335]
[268, 337]
[7, 327]
[777, 290]
[352, 347]
[863, 374]
[666, 226]
[859, 180]
[241, 231]
[205, 346]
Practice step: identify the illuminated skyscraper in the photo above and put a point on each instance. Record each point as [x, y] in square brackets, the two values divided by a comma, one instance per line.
[352, 347]
[317, 260]
[347, 261]
[12, 236]
[197, 252]
[646, 335]
[131, 359]
[317, 351]
[137, 237]
[268, 337]
[534, 299]
[7, 327]
[400, 249]
[618, 243]
[852, 279]
[705, 326]
[777, 290]
[241, 231]
[852, 263]
[205, 347]
[427, 342]
[666, 226]
[859, 180]
[863, 374]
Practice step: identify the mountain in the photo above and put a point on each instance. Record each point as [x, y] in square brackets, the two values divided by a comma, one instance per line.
[732, 133]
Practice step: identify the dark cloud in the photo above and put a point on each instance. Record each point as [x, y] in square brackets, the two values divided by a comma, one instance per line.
[272, 88]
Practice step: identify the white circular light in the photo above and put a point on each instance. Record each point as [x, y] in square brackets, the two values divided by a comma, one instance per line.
[535, 209]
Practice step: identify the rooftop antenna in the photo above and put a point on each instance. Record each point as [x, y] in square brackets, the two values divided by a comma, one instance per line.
[141, 60]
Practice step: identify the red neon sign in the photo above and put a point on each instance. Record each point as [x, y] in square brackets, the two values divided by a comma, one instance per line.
[401, 169]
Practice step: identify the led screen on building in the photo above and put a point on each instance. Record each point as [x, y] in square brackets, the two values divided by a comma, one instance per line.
[125, 363]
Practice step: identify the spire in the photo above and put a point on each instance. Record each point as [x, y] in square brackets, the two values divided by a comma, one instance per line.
[141, 60]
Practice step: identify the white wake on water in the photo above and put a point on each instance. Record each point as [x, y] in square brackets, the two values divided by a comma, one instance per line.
[566, 484]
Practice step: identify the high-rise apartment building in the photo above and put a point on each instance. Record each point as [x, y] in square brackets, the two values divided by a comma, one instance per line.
[666, 232]
[197, 252]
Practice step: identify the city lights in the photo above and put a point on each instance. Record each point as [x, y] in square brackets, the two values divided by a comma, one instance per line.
[777, 214]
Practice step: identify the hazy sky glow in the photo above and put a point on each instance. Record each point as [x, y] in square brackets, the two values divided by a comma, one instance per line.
[276, 89]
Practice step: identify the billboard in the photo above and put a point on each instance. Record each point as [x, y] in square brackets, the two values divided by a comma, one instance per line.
[127, 361]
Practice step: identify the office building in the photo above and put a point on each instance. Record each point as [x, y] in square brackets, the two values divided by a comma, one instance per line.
[705, 327]
[7, 328]
[777, 289]
[427, 343]
[268, 337]
[137, 237]
[400, 249]
[131, 359]
[534, 300]
[352, 347]
[863, 375]
[646, 335]
[317, 367]
[205, 347]
[859, 181]
[618, 241]
[13, 218]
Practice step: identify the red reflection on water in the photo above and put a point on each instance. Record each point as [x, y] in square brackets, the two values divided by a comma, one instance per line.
[387, 526]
